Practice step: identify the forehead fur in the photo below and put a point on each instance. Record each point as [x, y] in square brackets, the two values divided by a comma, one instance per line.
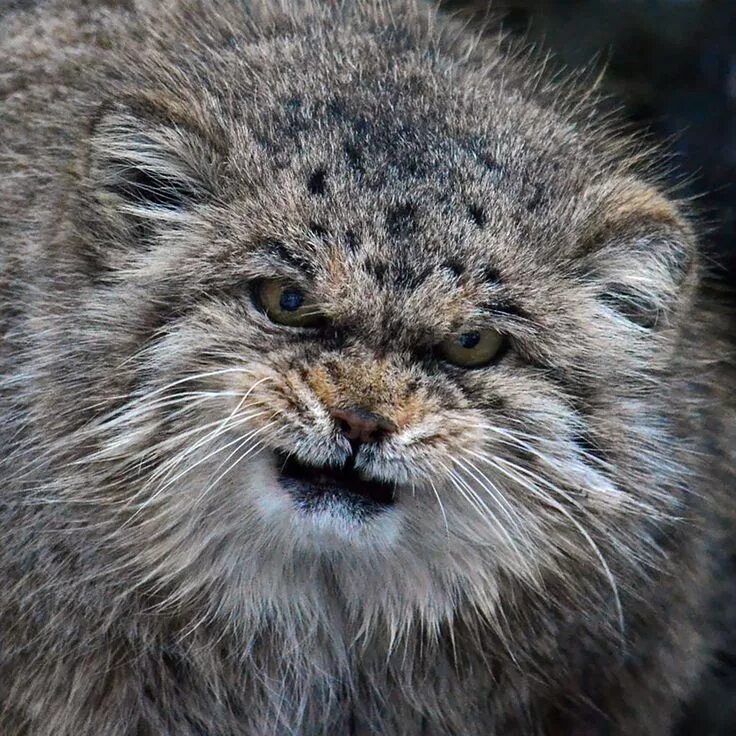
[384, 117]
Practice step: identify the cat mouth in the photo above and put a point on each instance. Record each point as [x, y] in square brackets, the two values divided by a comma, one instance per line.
[329, 488]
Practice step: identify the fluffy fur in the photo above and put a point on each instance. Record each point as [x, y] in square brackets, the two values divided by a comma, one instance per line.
[549, 566]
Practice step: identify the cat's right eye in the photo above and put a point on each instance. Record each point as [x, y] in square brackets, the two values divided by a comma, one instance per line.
[288, 304]
[473, 349]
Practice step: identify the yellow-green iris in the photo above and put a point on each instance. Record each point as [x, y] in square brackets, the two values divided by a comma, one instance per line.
[471, 349]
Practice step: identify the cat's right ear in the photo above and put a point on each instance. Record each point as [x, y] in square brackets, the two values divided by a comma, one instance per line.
[639, 250]
[145, 176]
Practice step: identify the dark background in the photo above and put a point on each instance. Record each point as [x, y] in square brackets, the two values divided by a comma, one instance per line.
[671, 66]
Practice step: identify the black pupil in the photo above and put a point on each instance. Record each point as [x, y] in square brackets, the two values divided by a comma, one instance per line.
[469, 340]
[291, 300]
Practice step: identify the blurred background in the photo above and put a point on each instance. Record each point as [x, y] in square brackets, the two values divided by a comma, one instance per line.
[671, 66]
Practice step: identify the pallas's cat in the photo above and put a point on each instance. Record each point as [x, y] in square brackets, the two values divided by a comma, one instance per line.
[355, 380]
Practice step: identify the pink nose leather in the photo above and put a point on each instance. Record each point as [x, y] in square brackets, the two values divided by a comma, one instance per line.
[359, 425]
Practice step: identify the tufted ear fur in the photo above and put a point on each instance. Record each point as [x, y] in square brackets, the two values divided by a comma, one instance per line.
[639, 249]
[145, 175]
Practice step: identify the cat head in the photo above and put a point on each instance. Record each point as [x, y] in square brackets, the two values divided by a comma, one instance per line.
[371, 319]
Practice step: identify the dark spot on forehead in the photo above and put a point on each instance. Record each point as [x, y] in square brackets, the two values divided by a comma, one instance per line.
[352, 241]
[412, 279]
[477, 215]
[401, 221]
[361, 125]
[496, 170]
[318, 230]
[336, 109]
[264, 142]
[491, 276]
[355, 157]
[316, 182]
[377, 268]
[413, 165]
[536, 198]
[293, 104]
[341, 112]
[296, 121]
[455, 267]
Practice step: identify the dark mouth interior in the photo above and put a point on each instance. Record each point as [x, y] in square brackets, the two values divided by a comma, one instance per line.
[316, 485]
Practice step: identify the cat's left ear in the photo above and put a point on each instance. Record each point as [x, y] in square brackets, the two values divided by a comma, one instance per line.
[638, 249]
[144, 173]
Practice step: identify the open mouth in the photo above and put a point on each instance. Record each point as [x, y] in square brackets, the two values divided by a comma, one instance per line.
[318, 488]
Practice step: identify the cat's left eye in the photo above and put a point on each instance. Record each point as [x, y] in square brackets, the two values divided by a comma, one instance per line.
[472, 349]
[288, 304]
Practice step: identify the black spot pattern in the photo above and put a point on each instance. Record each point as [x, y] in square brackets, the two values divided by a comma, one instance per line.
[495, 169]
[352, 241]
[491, 276]
[455, 267]
[536, 198]
[318, 230]
[355, 157]
[361, 125]
[401, 221]
[317, 182]
[294, 104]
[477, 215]
[377, 269]
[411, 279]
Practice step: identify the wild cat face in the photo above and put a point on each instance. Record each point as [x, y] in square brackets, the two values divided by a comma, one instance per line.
[417, 338]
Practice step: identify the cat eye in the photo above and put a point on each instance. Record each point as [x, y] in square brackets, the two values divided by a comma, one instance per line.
[287, 304]
[472, 349]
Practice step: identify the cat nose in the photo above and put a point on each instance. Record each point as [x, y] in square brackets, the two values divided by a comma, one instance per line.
[361, 426]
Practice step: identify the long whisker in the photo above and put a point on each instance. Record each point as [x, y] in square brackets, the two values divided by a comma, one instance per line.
[243, 455]
[228, 420]
[166, 485]
[442, 508]
[632, 505]
[515, 473]
[477, 503]
[134, 406]
[164, 471]
[493, 491]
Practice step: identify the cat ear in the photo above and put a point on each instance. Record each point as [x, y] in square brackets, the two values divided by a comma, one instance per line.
[639, 251]
[144, 174]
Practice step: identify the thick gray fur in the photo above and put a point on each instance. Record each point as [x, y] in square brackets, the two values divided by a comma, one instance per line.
[555, 552]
